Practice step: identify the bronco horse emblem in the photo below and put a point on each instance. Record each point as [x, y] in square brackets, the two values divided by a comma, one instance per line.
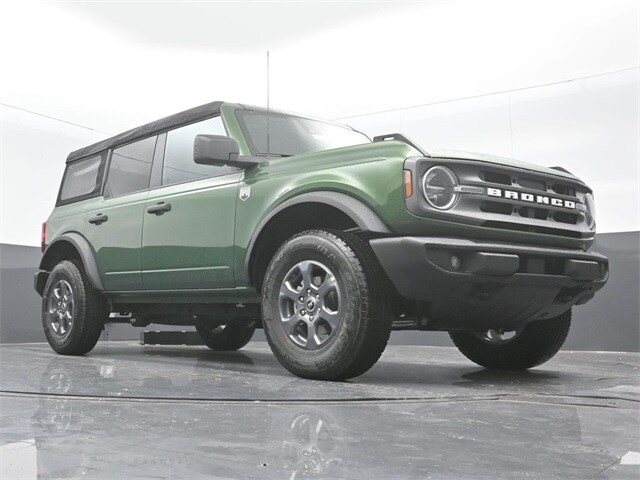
[245, 193]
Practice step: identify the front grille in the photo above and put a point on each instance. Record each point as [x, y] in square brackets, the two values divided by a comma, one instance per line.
[532, 184]
[518, 214]
[547, 214]
[540, 218]
[496, 177]
[564, 217]
[563, 189]
[533, 212]
[496, 207]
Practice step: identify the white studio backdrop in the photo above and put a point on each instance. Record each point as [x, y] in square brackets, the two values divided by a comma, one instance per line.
[33, 149]
[588, 126]
[114, 65]
[76, 72]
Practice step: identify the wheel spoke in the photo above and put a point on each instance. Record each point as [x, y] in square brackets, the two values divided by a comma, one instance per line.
[300, 424]
[492, 335]
[328, 285]
[314, 434]
[498, 336]
[332, 318]
[312, 339]
[288, 292]
[56, 292]
[306, 269]
[290, 324]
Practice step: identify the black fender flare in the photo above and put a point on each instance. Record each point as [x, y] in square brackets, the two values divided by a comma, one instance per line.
[362, 215]
[85, 251]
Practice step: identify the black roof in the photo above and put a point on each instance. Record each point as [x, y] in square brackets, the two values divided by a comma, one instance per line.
[195, 114]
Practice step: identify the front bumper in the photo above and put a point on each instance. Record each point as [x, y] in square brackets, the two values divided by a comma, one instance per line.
[464, 284]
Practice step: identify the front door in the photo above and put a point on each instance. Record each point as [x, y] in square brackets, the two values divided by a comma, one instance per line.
[188, 229]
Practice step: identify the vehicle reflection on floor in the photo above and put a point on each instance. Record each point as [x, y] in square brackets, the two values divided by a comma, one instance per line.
[72, 431]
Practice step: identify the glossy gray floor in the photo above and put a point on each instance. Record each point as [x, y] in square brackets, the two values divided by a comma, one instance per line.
[422, 412]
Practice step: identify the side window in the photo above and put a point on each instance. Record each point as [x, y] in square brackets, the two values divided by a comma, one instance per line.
[81, 179]
[130, 167]
[178, 164]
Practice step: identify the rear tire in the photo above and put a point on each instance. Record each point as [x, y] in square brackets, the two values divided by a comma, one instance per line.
[535, 344]
[326, 311]
[73, 313]
[227, 338]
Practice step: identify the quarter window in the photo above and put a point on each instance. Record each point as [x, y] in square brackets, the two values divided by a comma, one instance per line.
[178, 164]
[81, 179]
[130, 167]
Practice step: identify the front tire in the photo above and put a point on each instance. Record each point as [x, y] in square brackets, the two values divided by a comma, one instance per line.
[73, 313]
[533, 345]
[227, 338]
[325, 306]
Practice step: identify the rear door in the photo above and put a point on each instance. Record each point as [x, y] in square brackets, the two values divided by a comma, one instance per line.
[189, 216]
[115, 229]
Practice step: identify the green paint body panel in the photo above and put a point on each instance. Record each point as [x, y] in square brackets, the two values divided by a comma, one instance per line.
[370, 173]
[117, 242]
[197, 252]
[191, 246]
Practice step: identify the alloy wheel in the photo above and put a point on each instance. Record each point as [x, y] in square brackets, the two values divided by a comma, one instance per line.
[310, 305]
[61, 308]
[498, 336]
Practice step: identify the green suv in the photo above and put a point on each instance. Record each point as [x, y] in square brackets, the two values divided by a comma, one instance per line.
[228, 217]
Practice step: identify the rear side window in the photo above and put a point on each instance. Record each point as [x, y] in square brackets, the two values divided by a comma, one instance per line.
[82, 179]
[130, 168]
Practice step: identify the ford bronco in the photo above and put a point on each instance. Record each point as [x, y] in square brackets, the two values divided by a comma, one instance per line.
[228, 217]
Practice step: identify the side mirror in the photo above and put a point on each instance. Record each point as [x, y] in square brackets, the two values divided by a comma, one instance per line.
[215, 150]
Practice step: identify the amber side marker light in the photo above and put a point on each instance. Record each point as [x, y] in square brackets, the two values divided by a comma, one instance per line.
[43, 237]
[408, 184]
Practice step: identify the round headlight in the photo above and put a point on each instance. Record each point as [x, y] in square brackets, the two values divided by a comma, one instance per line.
[590, 213]
[438, 187]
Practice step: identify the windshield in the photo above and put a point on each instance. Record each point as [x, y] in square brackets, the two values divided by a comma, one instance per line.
[289, 135]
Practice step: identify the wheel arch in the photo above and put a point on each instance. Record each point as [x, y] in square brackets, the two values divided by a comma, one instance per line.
[336, 210]
[72, 245]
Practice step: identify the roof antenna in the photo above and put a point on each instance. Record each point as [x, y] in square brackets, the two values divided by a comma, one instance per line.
[268, 109]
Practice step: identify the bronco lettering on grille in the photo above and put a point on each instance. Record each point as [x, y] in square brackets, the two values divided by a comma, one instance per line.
[530, 197]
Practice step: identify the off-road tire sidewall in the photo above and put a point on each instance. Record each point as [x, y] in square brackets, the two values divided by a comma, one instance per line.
[363, 304]
[89, 311]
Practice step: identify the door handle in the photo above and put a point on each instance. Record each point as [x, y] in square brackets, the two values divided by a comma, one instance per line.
[160, 208]
[98, 219]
